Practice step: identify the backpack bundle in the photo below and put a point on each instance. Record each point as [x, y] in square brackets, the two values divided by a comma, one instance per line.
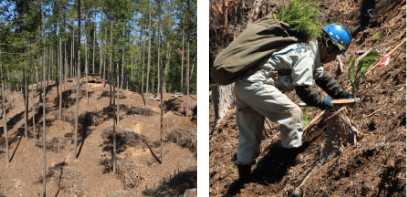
[258, 41]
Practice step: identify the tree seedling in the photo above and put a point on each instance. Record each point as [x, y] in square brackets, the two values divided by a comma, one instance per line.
[357, 73]
[302, 16]
[376, 36]
[231, 168]
[305, 120]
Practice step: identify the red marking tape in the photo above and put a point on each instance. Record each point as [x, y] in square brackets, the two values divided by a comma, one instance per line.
[385, 60]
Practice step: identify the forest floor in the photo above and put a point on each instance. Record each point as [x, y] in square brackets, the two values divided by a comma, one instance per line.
[376, 166]
[139, 171]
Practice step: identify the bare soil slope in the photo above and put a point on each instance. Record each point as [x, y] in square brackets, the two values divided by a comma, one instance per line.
[139, 171]
[376, 166]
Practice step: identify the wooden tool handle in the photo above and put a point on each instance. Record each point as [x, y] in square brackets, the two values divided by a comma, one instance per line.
[335, 102]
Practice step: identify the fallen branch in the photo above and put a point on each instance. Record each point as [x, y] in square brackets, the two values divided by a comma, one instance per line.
[362, 56]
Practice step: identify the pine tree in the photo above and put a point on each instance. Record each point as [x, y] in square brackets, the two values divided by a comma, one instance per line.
[3, 96]
[77, 83]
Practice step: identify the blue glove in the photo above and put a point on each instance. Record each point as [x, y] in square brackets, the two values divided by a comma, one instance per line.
[327, 103]
[347, 95]
[369, 13]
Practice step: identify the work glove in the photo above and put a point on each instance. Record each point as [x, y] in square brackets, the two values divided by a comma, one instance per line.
[347, 95]
[327, 104]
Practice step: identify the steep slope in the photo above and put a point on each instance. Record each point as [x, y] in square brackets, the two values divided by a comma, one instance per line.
[138, 146]
[376, 166]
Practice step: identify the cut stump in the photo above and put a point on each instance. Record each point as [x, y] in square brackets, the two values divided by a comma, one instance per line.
[341, 133]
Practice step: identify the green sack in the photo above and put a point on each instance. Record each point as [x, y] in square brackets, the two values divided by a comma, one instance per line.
[258, 41]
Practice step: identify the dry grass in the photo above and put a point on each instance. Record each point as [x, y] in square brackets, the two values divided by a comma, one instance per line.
[54, 145]
[128, 172]
[184, 138]
[71, 181]
[107, 94]
[87, 118]
[123, 136]
[90, 118]
[141, 110]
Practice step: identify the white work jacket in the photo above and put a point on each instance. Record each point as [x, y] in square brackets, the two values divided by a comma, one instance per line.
[303, 60]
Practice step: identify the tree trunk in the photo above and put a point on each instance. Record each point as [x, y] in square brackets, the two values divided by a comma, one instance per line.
[77, 82]
[42, 62]
[193, 66]
[139, 70]
[159, 48]
[44, 111]
[149, 57]
[182, 64]
[36, 73]
[122, 78]
[341, 133]
[114, 124]
[166, 67]
[104, 63]
[127, 76]
[94, 42]
[51, 64]
[66, 65]
[142, 71]
[187, 77]
[33, 108]
[223, 100]
[100, 52]
[4, 111]
[60, 68]
[117, 94]
[110, 65]
[86, 73]
[72, 50]
[132, 73]
[25, 98]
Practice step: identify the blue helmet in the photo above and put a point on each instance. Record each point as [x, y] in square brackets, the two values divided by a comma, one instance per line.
[340, 35]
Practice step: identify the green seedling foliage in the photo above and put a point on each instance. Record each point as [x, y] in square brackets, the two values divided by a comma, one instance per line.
[302, 16]
[305, 120]
[231, 169]
[357, 73]
[376, 36]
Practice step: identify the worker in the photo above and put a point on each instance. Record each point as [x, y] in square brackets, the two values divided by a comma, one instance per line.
[296, 65]
[366, 13]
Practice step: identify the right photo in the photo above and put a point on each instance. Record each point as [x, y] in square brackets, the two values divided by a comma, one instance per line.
[307, 98]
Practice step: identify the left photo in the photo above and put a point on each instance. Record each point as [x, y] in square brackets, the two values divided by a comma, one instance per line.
[99, 98]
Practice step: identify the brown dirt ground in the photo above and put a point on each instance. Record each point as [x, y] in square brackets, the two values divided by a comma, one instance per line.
[376, 166]
[91, 175]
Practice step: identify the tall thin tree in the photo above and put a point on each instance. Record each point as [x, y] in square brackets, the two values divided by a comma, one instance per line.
[159, 48]
[78, 81]
[187, 111]
[149, 58]
[44, 108]
[60, 62]
[4, 110]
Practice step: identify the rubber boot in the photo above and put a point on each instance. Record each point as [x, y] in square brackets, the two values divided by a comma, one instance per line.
[244, 177]
[244, 173]
[292, 155]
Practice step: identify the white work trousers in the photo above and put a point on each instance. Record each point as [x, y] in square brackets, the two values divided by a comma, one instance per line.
[257, 92]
